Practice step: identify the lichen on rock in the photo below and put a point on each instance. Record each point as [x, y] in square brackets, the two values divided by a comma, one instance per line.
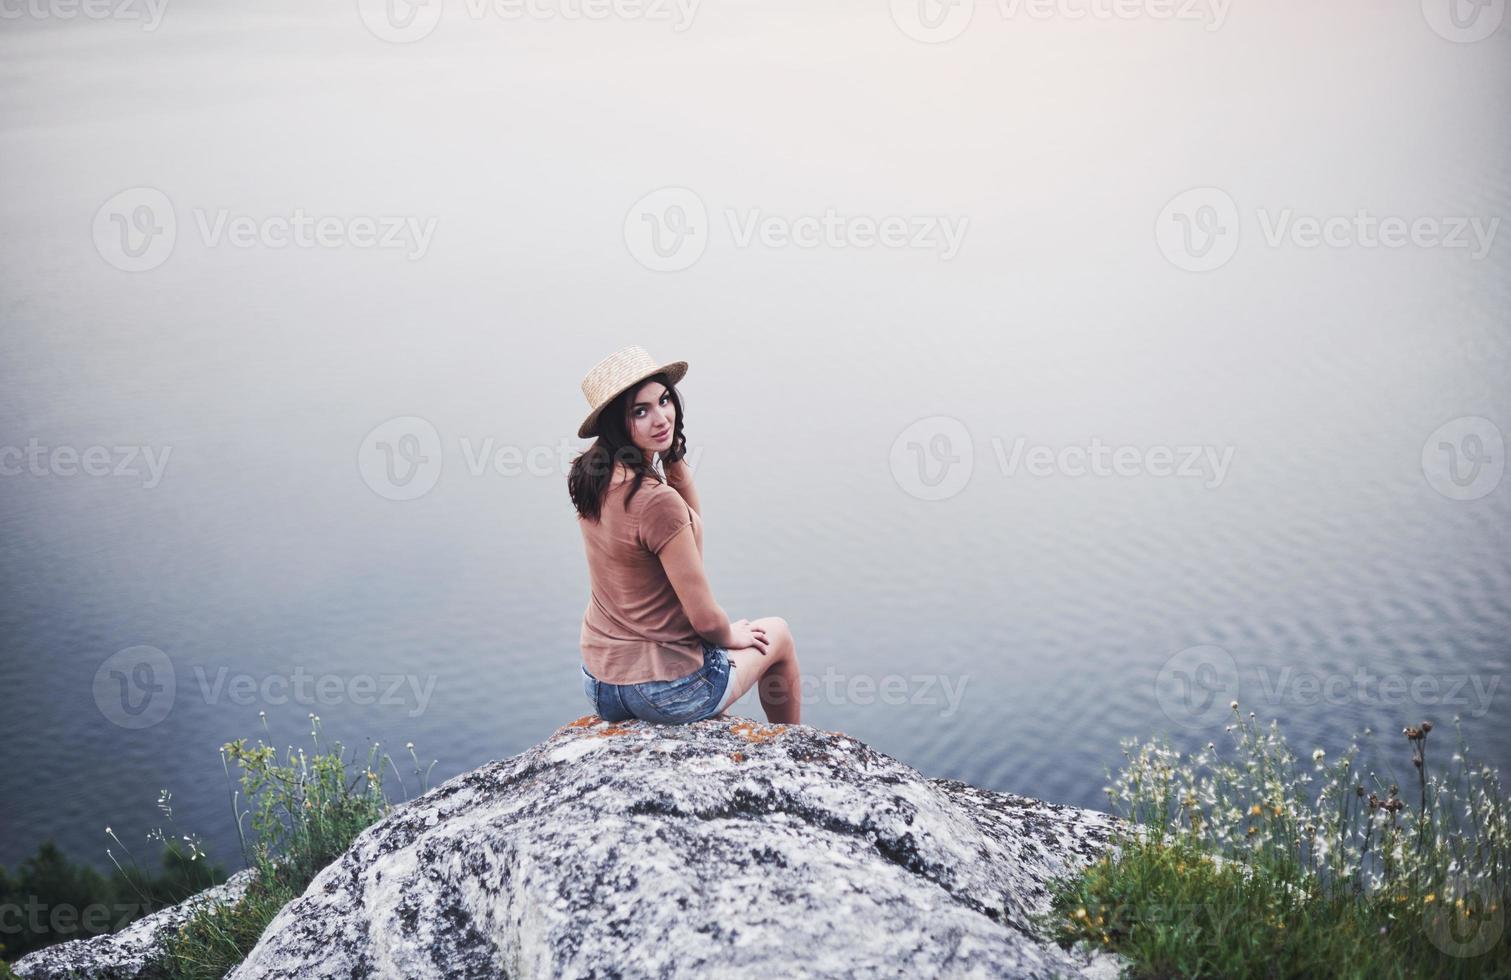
[133, 953]
[721, 848]
[724, 848]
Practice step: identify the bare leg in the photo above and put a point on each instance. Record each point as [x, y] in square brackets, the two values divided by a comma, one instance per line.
[774, 674]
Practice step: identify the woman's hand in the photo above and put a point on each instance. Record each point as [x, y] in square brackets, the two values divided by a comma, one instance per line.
[744, 635]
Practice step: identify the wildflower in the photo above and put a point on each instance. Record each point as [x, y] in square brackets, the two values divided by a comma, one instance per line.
[1318, 755]
[1256, 811]
[1233, 705]
[1429, 899]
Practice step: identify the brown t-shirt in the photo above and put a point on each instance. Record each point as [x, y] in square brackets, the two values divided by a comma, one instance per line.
[634, 629]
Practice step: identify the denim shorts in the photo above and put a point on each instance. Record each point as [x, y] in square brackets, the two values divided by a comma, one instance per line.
[699, 695]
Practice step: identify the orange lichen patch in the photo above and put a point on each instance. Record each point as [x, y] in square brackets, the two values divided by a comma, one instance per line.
[583, 722]
[737, 756]
[751, 732]
[612, 730]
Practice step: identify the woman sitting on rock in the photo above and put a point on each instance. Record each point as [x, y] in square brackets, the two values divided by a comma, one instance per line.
[655, 644]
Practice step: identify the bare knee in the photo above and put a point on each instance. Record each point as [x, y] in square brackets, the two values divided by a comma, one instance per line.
[780, 634]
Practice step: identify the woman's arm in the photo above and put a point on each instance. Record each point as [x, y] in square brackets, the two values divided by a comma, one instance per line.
[679, 476]
[684, 569]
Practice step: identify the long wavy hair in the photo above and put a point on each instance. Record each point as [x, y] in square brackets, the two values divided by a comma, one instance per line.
[592, 469]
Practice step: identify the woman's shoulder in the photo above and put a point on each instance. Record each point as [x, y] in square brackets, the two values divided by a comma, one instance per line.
[650, 488]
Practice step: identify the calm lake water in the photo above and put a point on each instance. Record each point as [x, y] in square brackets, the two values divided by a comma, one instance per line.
[1298, 503]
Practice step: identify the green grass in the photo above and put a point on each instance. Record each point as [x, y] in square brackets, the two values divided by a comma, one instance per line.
[305, 812]
[1261, 866]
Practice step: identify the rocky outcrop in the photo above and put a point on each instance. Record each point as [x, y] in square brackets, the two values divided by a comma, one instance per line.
[132, 953]
[721, 848]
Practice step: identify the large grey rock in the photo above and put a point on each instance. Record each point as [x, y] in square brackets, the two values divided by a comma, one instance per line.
[718, 849]
[131, 953]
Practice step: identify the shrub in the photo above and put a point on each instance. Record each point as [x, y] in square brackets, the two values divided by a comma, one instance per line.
[1265, 866]
[305, 812]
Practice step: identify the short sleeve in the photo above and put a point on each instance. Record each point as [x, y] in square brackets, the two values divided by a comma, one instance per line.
[665, 514]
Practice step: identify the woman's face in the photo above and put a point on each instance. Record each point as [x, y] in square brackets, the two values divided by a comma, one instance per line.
[652, 418]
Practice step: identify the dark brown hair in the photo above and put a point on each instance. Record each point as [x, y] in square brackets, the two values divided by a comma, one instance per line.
[594, 468]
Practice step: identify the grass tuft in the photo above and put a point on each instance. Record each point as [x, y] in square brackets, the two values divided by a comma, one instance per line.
[1262, 865]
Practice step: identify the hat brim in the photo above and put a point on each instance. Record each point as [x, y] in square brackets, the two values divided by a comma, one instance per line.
[676, 371]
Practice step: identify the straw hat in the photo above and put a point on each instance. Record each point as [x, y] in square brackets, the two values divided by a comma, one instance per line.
[622, 369]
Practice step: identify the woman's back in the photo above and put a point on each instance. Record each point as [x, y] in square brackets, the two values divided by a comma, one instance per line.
[635, 629]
